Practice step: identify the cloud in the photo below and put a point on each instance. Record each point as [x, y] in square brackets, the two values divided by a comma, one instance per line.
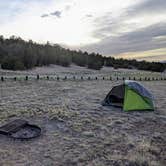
[134, 29]
[56, 13]
[89, 15]
[131, 18]
[44, 15]
[149, 6]
[142, 39]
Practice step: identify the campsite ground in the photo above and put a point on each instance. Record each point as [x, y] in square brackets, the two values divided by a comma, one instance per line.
[76, 129]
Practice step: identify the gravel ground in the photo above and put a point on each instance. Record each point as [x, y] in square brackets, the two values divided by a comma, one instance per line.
[77, 130]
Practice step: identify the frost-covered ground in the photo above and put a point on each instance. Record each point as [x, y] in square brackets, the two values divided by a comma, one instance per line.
[54, 71]
[76, 129]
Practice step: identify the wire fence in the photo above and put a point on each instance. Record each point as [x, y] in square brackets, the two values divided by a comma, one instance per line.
[79, 78]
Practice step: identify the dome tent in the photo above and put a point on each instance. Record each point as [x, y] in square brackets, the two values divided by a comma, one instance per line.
[130, 95]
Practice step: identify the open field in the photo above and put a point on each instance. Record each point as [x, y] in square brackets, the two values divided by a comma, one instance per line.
[77, 129]
[55, 71]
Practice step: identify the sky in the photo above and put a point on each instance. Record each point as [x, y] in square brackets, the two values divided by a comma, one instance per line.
[133, 29]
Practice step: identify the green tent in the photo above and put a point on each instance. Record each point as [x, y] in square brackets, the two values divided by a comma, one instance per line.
[130, 95]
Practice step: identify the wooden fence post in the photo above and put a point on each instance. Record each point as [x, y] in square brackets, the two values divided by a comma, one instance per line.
[65, 78]
[38, 77]
[2, 78]
[26, 78]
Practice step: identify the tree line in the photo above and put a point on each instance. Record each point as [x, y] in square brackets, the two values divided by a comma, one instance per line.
[140, 65]
[18, 54]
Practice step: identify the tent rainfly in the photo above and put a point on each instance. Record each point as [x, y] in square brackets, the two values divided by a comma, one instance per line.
[130, 95]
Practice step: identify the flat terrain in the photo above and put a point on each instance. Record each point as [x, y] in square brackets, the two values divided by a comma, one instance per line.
[76, 128]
